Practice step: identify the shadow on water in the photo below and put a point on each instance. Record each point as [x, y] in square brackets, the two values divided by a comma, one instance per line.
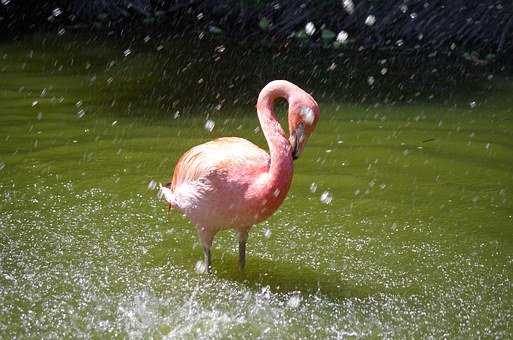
[279, 276]
[288, 277]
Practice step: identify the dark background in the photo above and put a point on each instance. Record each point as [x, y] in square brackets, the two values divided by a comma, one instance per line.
[430, 50]
[482, 27]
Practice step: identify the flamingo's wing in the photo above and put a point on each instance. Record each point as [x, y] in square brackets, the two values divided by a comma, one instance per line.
[223, 154]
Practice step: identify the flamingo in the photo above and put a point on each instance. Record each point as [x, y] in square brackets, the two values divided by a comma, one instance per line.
[230, 183]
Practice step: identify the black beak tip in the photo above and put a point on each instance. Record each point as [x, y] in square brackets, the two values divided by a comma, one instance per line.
[294, 156]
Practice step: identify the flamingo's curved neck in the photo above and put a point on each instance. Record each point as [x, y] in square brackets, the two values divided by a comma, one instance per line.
[281, 167]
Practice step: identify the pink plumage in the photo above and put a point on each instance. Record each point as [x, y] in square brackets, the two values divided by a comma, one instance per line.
[230, 183]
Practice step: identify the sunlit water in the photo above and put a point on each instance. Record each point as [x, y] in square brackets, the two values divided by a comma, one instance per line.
[399, 220]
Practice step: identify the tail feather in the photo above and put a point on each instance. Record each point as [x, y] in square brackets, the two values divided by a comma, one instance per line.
[166, 194]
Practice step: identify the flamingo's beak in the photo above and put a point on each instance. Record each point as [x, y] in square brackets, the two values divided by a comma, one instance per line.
[297, 139]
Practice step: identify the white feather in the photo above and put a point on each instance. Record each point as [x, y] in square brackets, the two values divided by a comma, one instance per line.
[166, 194]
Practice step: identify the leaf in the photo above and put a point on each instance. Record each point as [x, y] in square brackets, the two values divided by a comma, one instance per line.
[301, 34]
[264, 23]
[327, 34]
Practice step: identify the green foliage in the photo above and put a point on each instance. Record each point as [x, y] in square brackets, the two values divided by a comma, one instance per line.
[264, 23]
[328, 35]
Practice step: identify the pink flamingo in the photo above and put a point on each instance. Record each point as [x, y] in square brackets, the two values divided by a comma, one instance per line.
[232, 183]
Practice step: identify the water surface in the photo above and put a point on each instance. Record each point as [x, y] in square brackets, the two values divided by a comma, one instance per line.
[416, 240]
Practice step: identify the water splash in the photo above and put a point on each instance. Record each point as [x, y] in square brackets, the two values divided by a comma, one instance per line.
[326, 197]
[209, 125]
[310, 28]
[370, 20]
[342, 37]
[313, 187]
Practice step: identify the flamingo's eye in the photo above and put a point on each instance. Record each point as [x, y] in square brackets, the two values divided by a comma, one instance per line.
[307, 114]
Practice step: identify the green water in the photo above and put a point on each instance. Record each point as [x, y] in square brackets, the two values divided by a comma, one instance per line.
[417, 240]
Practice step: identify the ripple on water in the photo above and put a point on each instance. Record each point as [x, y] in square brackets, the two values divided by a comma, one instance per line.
[78, 263]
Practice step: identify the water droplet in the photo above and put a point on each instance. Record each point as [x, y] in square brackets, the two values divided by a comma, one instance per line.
[56, 12]
[2, 165]
[34, 103]
[370, 20]
[413, 16]
[342, 37]
[472, 104]
[294, 301]
[209, 125]
[267, 232]
[214, 29]
[384, 71]
[61, 31]
[200, 267]
[348, 6]
[114, 122]
[5, 2]
[310, 28]
[152, 185]
[127, 52]
[326, 197]
[370, 80]
[81, 113]
[313, 187]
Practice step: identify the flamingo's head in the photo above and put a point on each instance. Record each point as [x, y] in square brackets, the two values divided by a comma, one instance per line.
[303, 117]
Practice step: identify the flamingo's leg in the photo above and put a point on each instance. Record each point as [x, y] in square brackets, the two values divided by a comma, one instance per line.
[206, 240]
[243, 237]
[208, 259]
